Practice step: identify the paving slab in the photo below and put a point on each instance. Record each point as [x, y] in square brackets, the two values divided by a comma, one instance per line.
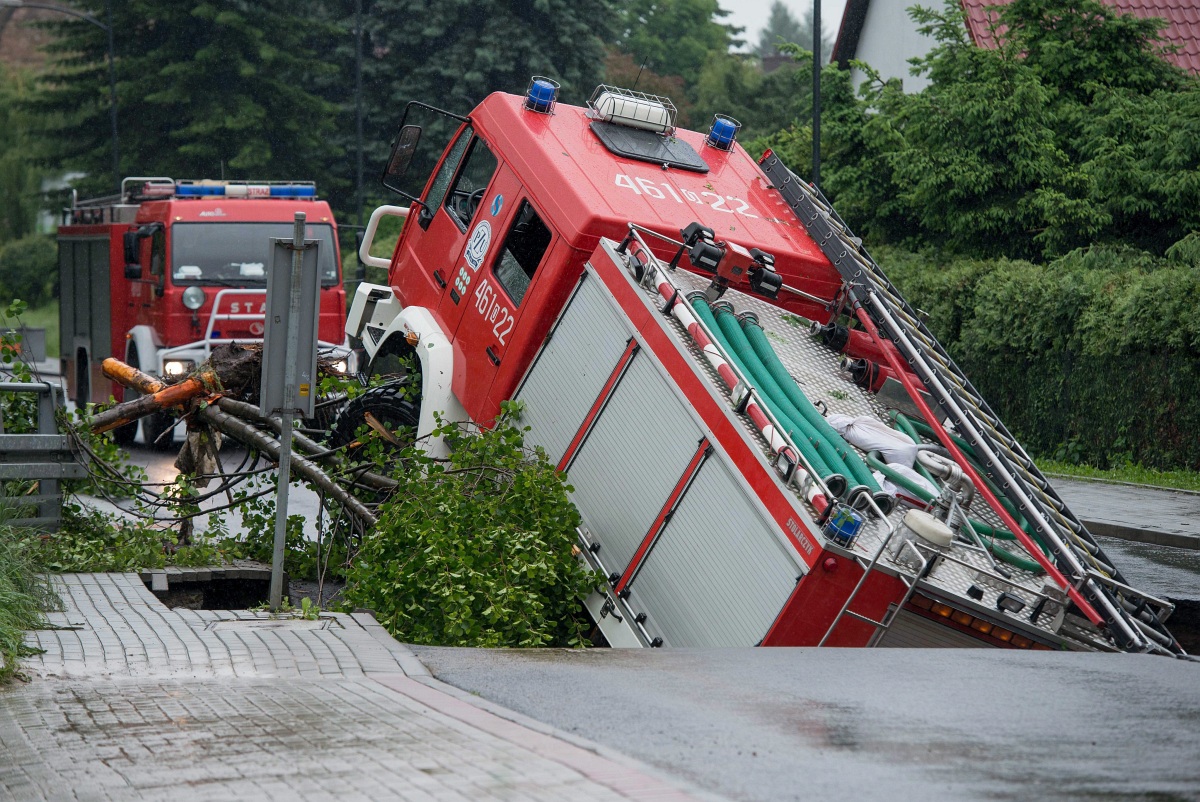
[132, 700]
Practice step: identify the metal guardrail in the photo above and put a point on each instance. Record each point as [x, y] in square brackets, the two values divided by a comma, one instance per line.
[44, 457]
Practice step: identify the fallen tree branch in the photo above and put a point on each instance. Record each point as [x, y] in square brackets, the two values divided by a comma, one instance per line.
[249, 435]
[317, 451]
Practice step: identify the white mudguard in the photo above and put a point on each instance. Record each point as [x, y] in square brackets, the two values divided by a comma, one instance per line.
[374, 318]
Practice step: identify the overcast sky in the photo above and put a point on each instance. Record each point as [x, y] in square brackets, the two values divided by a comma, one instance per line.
[752, 15]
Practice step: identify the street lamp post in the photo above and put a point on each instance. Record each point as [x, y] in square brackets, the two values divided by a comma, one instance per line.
[816, 126]
[112, 72]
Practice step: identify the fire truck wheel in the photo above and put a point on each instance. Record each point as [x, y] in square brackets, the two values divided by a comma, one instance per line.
[388, 405]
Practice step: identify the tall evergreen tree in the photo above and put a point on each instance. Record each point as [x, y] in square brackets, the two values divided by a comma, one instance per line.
[20, 180]
[674, 37]
[208, 88]
[452, 55]
[783, 27]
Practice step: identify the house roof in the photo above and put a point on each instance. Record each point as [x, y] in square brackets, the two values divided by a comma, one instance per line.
[1182, 29]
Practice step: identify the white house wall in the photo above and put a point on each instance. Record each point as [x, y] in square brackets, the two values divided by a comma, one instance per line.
[888, 40]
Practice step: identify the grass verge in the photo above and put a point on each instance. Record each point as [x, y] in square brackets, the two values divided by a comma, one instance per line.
[25, 595]
[1128, 473]
[44, 317]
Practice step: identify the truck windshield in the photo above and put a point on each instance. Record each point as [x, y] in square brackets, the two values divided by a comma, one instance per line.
[236, 254]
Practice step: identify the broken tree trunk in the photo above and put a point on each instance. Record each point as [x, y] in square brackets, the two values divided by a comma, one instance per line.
[315, 450]
[169, 396]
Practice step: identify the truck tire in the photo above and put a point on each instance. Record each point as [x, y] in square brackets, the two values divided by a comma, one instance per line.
[388, 404]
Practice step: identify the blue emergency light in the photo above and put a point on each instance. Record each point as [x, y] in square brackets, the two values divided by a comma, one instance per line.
[246, 190]
[723, 132]
[541, 95]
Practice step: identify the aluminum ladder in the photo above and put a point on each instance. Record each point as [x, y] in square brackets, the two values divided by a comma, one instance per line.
[1134, 620]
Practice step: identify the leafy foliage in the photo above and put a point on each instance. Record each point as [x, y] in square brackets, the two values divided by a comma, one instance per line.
[476, 551]
[29, 269]
[783, 28]
[24, 594]
[20, 179]
[1074, 131]
[1093, 358]
[208, 89]
[674, 37]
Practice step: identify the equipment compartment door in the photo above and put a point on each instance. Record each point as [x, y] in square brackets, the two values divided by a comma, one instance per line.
[678, 525]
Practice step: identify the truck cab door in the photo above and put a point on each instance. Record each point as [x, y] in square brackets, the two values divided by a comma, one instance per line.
[481, 213]
[495, 292]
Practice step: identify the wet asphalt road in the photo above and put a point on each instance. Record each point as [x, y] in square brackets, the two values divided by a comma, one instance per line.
[853, 724]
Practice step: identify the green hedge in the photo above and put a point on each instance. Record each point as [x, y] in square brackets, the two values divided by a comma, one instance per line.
[1093, 358]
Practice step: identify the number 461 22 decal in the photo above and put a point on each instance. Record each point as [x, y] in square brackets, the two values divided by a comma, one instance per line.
[664, 191]
[487, 304]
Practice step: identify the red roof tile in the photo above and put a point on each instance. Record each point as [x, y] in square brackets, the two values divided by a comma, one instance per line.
[1182, 16]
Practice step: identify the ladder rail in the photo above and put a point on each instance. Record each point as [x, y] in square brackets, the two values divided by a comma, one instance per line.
[1074, 549]
[890, 617]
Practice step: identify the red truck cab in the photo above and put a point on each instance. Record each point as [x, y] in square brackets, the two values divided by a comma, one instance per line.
[519, 199]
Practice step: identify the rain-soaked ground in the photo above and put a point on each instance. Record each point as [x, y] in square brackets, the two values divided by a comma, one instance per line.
[847, 724]
[851, 724]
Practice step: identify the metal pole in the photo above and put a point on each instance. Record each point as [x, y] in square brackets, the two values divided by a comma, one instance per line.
[112, 99]
[816, 143]
[286, 415]
[358, 113]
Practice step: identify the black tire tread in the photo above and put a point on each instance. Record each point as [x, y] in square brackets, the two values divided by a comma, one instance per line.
[386, 403]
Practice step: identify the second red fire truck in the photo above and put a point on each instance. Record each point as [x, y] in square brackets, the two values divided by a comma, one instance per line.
[168, 269]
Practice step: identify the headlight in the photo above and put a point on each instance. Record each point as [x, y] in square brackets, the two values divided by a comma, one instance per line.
[179, 367]
[194, 298]
[341, 367]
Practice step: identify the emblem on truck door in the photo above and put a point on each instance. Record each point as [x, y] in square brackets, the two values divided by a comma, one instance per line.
[477, 245]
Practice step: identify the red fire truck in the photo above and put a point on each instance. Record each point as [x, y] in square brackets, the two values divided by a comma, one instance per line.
[166, 270]
[766, 444]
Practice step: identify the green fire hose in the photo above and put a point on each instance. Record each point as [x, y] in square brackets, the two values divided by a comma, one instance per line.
[735, 340]
[795, 429]
[770, 360]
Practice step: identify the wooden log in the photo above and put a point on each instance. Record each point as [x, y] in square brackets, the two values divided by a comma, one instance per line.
[170, 396]
[131, 377]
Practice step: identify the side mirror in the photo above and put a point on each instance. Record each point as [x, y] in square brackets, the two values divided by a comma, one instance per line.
[403, 150]
[133, 267]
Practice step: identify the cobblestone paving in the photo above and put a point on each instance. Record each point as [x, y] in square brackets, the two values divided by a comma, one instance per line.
[137, 701]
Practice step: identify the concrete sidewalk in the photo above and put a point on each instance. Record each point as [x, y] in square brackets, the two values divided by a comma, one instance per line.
[1134, 512]
[132, 700]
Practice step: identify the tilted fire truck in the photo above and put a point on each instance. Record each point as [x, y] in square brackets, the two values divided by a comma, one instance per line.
[168, 269]
[766, 444]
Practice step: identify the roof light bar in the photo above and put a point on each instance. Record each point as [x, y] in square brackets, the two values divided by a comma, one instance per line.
[626, 107]
[244, 190]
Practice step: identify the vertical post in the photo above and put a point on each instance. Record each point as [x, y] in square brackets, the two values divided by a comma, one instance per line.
[816, 126]
[361, 272]
[358, 105]
[112, 100]
[286, 414]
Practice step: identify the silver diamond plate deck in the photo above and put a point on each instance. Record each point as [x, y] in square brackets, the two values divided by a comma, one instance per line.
[816, 370]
